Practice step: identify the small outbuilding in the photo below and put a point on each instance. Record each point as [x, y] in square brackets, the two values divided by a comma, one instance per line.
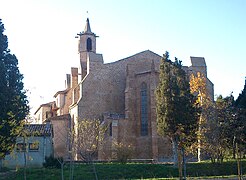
[31, 148]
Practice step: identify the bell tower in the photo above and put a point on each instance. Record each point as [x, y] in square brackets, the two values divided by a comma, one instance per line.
[87, 44]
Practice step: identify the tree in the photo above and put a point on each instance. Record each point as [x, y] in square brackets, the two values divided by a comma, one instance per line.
[218, 129]
[240, 128]
[198, 88]
[176, 113]
[13, 100]
[240, 133]
[89, 135]
[241, 100]
[123, 151]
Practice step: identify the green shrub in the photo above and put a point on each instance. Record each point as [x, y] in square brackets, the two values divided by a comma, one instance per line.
[52, 162]
[122, 152]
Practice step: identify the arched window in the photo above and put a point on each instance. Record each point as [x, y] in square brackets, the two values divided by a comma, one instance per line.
[88, 44]
[144, 109]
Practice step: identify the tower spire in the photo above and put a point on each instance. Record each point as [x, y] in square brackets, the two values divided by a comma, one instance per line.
[87, 43]
[87, 27]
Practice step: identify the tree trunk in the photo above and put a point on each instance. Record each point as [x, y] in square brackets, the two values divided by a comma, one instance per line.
[175, 151]
[180, 164]
[71, 169]
[1, 163]
[94, 170]
[199, 151]
[199, 131]
[199, 140]
[25, 165]
[25, 158]
[184, 163]
[238, 163]
[62, 168]
[234, 147]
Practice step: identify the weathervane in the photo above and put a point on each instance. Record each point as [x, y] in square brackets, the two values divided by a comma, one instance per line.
[87, 14]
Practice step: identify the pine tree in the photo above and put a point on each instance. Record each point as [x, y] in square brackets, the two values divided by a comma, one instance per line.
[176, 115]
[13, 100]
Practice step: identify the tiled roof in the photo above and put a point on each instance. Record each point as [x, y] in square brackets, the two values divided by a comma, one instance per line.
[39, 129]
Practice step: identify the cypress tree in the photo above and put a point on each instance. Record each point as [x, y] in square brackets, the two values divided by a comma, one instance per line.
[241, 100]
[176, 115]
[13, 100]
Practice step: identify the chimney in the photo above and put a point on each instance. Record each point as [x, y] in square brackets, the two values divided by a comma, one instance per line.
[68, 81]
[74, 79]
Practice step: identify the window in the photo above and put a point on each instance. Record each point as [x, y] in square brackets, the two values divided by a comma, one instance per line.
[21, 147]
[34, 146]
[89, 44]
[110, 129]
[144, 109]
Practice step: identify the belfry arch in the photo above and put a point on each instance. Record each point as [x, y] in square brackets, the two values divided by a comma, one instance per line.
[88, 44]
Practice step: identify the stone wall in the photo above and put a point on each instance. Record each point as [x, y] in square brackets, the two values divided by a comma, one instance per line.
[61, 129]
[103, 89]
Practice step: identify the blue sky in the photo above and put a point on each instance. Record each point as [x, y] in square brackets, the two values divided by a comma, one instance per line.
[42, 35]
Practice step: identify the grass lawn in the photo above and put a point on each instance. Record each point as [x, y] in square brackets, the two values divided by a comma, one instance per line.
[130, 171]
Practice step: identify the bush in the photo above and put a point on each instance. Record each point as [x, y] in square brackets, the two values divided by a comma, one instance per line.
[123, 152]
[52, 162]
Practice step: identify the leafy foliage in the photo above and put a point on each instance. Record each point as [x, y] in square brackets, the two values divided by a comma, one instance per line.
[239, 128]
[219, 128]
[198, 87]
[225, 129]
[13, 100]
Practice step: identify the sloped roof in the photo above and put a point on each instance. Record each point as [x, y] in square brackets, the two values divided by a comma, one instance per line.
[61, 92]
[45, 105]
[142, 53]
[145, 52]
[39, 129]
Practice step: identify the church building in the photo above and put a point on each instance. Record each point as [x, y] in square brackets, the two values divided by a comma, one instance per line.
[121, 94]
